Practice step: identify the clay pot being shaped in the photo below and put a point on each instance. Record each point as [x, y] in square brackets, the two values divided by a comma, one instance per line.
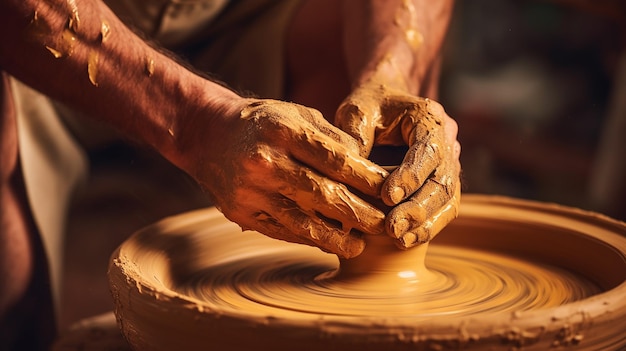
[507, 274]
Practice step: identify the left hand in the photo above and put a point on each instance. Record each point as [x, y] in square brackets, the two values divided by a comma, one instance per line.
[283, 170]
[425, 188]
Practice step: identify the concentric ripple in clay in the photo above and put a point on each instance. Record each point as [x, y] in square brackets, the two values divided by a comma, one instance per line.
[457, 281]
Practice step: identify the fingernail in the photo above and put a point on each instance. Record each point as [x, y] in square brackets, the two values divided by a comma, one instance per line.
[350, 247]
[408, 240]
[397, 195]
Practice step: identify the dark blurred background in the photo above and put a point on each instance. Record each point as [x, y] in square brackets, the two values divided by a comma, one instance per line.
[535, 88]
[534, 85]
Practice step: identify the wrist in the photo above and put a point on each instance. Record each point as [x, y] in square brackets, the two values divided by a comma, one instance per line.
[207, 116]
[388, 57]
[387, 73]
[396, 42]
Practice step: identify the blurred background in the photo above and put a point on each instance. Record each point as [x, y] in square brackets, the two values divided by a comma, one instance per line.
[538, 89]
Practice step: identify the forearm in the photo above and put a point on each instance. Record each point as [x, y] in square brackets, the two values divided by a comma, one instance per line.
[398, 39]
[80, 53]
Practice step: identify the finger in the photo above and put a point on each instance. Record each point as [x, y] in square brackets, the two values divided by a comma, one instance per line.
[405, 220]
[323, 234]
[338, 162]
[314, 193]
[318, 144]
[451, 129]
[423, 131]
[354, 118]
[284, 120]
[317, 120]
[417, 166]
[434, 225]
[409, 215]
[282, 219]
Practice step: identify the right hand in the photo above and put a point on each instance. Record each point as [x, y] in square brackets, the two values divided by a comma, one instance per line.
[425, 189]
[281, 169]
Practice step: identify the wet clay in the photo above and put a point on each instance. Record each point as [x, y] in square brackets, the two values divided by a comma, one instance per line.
[507, 274]
[149, 69]
[427, 180]
[92, 67]
[289, 174]
[105, 31]
[39, 29]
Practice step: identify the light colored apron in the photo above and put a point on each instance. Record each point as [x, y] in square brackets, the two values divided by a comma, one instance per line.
[52, 165]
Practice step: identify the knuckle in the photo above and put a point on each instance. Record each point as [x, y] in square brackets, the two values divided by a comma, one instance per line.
[259, 157]
[348, 108]
[433, 152]
[434, 107]
[451, 124]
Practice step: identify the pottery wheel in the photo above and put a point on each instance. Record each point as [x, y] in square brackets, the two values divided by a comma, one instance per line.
[198, 278]
[457, 282]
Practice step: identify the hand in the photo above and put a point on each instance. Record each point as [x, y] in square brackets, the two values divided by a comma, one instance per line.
[283, 170]
[428, 178]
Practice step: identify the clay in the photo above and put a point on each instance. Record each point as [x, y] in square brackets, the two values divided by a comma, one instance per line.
[38, 29]
[291, 175]
[105, 31]
[507, 274]
[427, 179]
[92, 67]
[149, 69]
[74, 20]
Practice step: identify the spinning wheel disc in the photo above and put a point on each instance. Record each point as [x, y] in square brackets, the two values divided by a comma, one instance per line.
[506, 273]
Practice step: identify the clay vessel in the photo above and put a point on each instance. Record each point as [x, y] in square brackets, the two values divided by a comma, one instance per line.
[196, 282]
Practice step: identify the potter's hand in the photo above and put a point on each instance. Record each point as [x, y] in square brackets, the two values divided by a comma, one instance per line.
[280, 169]
[428, 178]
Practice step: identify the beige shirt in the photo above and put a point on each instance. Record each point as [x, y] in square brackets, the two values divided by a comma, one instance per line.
[171, 22]
[238, 42]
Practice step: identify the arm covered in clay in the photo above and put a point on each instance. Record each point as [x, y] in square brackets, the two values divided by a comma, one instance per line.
[392, 52]
[266, 170]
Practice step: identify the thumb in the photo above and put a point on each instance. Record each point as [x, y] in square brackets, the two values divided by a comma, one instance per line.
[359, 122]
